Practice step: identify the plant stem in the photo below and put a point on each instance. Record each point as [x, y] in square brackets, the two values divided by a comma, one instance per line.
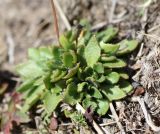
[56, 28]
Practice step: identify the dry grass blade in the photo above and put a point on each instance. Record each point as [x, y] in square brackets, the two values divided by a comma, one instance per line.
[99, 26]
[108, 123]
[11, 47]
[153, 28]
[116, 118]
[114, 2]
[150, 35]
[146, 114]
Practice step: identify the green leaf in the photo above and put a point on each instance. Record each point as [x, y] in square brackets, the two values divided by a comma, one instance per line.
[69, 59]
[95, 92]
[92, 52]
[108, 34]
[76, 117]
[92, 81]
[103, 106]
[71, 95]
[39, 54]
[118, 63]
[101, 79]
[38, 82]
[56, 90]
[45, 52]
[55, 65]
[80, 74]
[88, 102]
[109, 48]
[74, 56]
[47, 80]
[51, 101]
[29, 70]
[109, 58]
[81, 86]
[56, 53]
[99, 68]
[66, 44]
[87, 36]
[88, 71]
[57, 75]
[80, 54]
[72, 72]
[33, 97]
[61, 84]
[112, 77]
[113, 92]
[25, 86]
[81, 42]
[70, 35]
[85, 24]
[123, 75]
[33, 53]
[69, 80]
[127, 46]
[125, 86]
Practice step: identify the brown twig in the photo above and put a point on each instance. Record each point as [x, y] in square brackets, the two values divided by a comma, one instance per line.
[55, 18]
[62, 15]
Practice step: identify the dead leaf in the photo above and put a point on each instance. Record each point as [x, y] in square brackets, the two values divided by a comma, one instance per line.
[89, 114]
[53, 124]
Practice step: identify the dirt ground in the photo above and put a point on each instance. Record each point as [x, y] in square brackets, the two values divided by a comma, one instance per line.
[29, 23]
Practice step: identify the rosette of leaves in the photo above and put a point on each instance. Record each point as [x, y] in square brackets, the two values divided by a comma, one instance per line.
[85, 69]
